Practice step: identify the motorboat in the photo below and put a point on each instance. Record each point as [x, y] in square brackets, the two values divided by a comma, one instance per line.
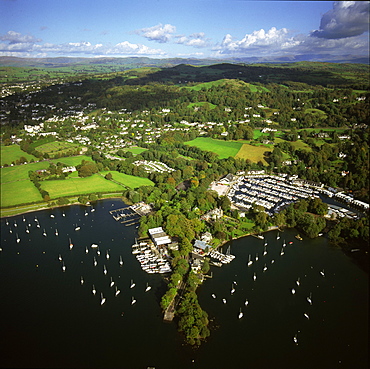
[148, 288]
[293, 291]
[213, 295]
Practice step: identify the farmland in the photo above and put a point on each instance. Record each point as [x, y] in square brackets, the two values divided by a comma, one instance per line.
[56, 148]
[127, 180]
[13, 153]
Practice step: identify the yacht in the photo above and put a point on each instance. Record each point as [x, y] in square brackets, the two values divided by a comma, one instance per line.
[102, 299]
[105, 270]
[82, 280]
[298, 282]
[246, 302]
[240, 314]
[70, 244]
[117, 291]
[309, 299]
[111, 282]
[133, 300]
[213, 295]
[132, 284]
[148, 288]
[120, 261]
[93, 290]
[250, 262]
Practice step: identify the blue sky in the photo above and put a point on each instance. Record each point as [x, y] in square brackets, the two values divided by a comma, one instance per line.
[183, 28]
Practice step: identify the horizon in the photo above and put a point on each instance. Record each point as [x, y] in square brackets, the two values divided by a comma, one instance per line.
[220, 30]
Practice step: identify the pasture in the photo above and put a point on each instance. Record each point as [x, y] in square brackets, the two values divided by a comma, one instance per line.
[20, 172]
[253, 153]
[128, 180]
[136, 150]
[19, 192]
[224, 149]
[13, 153]
[72, 160]
[57, 147]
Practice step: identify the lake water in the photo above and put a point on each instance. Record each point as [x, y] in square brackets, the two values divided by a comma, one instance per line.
[49, 319]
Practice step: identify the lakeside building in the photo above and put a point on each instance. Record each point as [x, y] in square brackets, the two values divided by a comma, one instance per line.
[159, 236]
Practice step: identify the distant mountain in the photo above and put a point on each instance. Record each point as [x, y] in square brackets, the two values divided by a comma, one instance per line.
[136, 62]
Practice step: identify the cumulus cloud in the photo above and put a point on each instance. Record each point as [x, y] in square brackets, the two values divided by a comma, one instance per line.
[346, 19]
[198, 40]
[160, 33]
[25, 45]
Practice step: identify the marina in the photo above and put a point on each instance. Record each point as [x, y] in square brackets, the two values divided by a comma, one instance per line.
[92, 315]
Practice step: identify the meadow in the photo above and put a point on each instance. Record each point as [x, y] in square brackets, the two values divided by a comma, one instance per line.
[72, 160]
[253, 153]
[128, 180]
[20, 172]
[56, 147]
[13, 153]
[224, 149]
[20, 192]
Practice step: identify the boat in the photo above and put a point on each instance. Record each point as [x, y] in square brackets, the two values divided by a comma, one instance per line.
[250, 262]
[293, 291]
[117, 291]
[27, 230]
[298, 282]
[322, 273]
[92, 210]
[77, 228]
[291, 243]
[224, 301]
[133, 300]
[107, 255]
[260, 236]
[15, 224]
[86, 213]
[309, 299]
[102, 299]
[232, 289]
[306, 315]
[295, 339]
[70, 244]
[120, 260]
[282, 252]
[254, 276]
[284, 244]
[18, 239]
[256, 257]
[60, 257]
[111, 282]
[98, 252]
[132, 284]
[265, 268]
[95, 262]
[82, 280]
[87, 250]
[93, 290]
[64, 267]
[148, 288]
[213, 295]
[278, 236]
[63, 214]
[240, 314]
[298, 237]
[272, 261]
[264, 251]
[44, 234]
[246, 302]
[105, 270]
[51, 215]
[94, 245]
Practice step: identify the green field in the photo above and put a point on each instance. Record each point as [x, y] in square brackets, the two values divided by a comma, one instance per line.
[72, 160]
[56, 147]
[136, 150]
[298, 145]
[12, 153]
[207, 85]
[20, 192]
[253, 153]
[19, 172]
[127, 180]
[224, 149]
[200, 104]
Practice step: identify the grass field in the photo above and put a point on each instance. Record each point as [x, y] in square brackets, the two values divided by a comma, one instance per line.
[72, 160]
[253, 153]
[13, 153]
[129, 181]
[202, 103]
[20, 192]
[136, 150]
[56, 147]
[224, 149]
[200, 86]
[19, 172]
[299, 144]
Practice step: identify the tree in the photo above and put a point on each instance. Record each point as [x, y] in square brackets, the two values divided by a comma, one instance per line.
[108, 176]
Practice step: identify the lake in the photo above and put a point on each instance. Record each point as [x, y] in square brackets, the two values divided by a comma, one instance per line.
[50, 319]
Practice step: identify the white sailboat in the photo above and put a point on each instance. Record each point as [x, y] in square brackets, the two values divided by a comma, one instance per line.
[93, 290]
[107, 255]
[64, 267]
[272, 261]
[56, 232]
[322, 273]
[70, 244]
[120, 260]
[18, 239]
[246, 302]
[278, 236]
[6, 222]
[295, 339]
[95, 262]
[257, 257]
[284, 244]
[86, 250]
[293, 291]
[213, 295]
[15, 224]
[105, 270]
[82, 281]
[60, 257]
[27, 230]
[133, 300]
[264, 251]
[240, 314]
[309, 299]
[111, 282]
[86, 213]
[44, 234]
[51, 215]
[254, 276]
[148, 288]
[98, 252]
[232, 289]
[298, 282]
[250, 262]
[102, 299]
[224, 301]
[265, 268]
[92, 210]
[132, 284]
[117, 291]
[63, 214]
[282, 252]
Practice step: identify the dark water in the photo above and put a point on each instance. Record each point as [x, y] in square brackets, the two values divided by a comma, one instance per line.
[48, 319]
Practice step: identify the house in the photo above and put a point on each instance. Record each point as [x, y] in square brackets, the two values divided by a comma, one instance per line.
[201, 247]
[159, 237]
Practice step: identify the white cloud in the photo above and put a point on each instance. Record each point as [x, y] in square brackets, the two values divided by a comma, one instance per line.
[17, 38]
[160, 33]
[196, 40]
[346, 19]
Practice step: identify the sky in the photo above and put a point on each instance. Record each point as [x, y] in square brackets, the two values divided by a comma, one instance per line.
[220, 29]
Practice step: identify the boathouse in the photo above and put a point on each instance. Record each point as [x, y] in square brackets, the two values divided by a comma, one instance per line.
[159, 236]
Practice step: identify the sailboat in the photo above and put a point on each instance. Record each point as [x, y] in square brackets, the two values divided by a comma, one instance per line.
[44, 234]
[224, 301]
[107, 255]
[272, 261]
[265, 268]
[306, 315]
[133, 300]
[10, 230]
[27, 230]
[18, 239]
[250, 262]
[63, 214]
[256, 257]
[240, 314]
[117, 291]
[298, 282]
[82, 280]
[148, 288]
[64, 267]
[293, 291]
[232, 289]
[278, 236]
[56, 232]
[15, 224]
[111, 282]
[254, 276]
[86, 250]
[93, 290]
[95, 262]
[98, 251]
[284, 243]
[70, 244]
[86, 213]
[6, 222]
[295, 339]
[60, 257]
[282, 252]
[105, 270]
[213, 295]
[264, 251]
[309, 299]
[92, 210]
[102, 299]
[246, 302]
[322, 273]
[120, 260]
[132, 284]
